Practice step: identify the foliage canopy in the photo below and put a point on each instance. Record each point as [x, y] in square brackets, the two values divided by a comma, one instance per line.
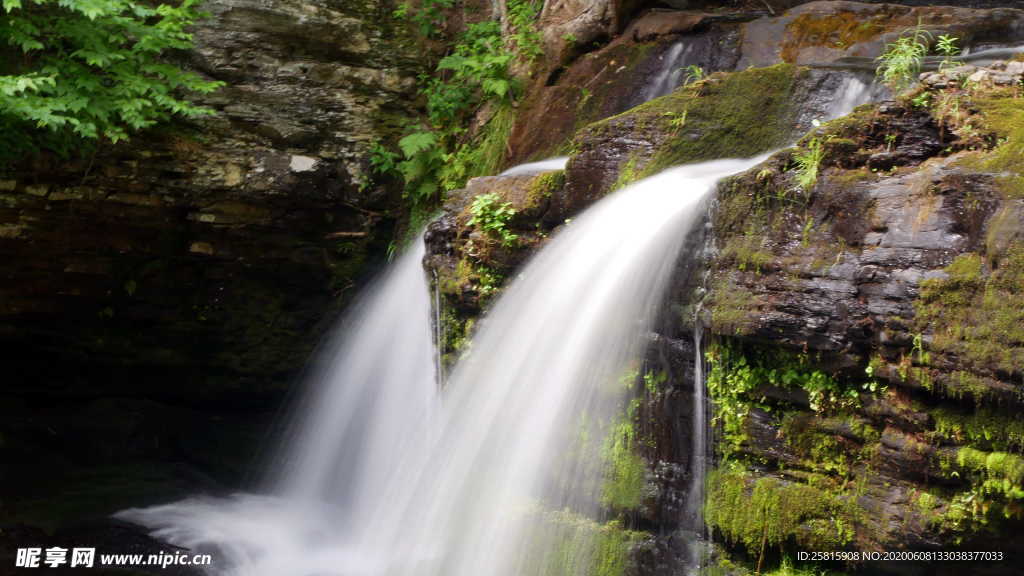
[73, 70]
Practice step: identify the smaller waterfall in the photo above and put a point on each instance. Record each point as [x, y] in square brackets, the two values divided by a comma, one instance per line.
[537, 167]
[372, 397]
[365, 418]
[669, 76]
[698, 453]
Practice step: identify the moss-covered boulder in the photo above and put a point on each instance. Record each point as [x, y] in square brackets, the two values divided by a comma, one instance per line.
[727, 115]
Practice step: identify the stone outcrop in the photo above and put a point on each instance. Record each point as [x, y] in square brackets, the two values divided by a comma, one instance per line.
[579, 85]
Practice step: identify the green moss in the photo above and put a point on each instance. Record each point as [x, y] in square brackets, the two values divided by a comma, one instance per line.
[811, 439]
[996, 474]
[625, 481]
[745, 253]
[723, 116]
[977, 312]
[982, 428]
[731, 308]
[962, 384]
[1005, 117]
[542, 188]
[727, 116]
[456, 334]
[627, 173]
[769, 512]
[846, 179]
[566, 543]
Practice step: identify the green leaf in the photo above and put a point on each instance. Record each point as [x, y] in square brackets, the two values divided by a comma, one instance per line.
[496, 86]
[417, 142]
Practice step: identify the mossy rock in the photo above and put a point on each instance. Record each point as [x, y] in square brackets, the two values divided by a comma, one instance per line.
[727, 115]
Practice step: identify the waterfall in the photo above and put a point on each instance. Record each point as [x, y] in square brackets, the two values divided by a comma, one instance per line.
[694, 512]
[670, 73]
[388, 477]
[367, 409]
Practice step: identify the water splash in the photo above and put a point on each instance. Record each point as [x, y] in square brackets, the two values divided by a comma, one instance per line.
[383, 481]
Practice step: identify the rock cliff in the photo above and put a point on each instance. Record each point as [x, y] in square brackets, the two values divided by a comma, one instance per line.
[860, 324]
[160, 297]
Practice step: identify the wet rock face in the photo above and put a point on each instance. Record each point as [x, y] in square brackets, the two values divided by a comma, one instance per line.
[824, 32]
[602, 83]
[850, 273]
[198, 265]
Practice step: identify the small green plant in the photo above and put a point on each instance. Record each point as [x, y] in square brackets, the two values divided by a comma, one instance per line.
[438, 157]
[922, 100]
[677, 120]
[805, 235]
[947, 48]
[808, 163]
[492, 215]
[900, 64]
[488, 281]
[890, 141]
[694, 73]
[422, 159]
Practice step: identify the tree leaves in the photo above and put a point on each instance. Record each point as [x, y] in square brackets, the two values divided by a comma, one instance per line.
[92, 70]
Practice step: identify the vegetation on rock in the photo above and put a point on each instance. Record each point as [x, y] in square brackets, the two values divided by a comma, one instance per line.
[977, 311]
[474, 79]
[491, 215]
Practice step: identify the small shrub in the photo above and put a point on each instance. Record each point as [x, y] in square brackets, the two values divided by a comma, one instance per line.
[900, 64]
[808, 163]
[947, 48]
[491, 215]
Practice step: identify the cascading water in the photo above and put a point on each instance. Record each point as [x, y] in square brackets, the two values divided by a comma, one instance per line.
[557, 163]
[670, 74]
[694, 512]
[472, 486]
